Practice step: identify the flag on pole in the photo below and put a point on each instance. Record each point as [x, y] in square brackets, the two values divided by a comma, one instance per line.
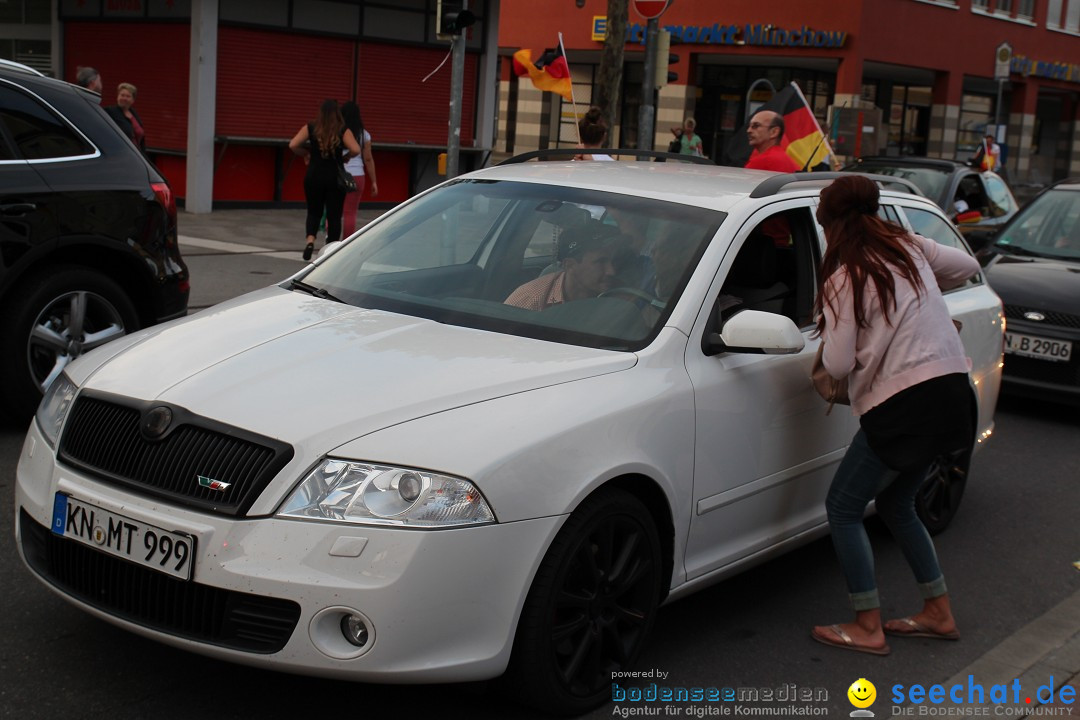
[803, 140]
[550, 73]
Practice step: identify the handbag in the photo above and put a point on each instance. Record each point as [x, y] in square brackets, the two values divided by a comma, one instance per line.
[834, 391]
[345, 180]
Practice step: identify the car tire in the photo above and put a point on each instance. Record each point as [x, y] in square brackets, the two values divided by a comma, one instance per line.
[590, 607]
[52, 318]
[939, 496]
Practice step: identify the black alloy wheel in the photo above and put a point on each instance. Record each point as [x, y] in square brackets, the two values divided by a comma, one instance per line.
[939, 497]
[590, 608]
[55, 317]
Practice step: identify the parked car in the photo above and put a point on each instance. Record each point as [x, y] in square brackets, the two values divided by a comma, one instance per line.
[1035, 268]
[381, 470]
[980, 203]
[88, 234]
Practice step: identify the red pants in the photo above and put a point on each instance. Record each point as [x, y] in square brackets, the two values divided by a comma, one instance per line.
[352, 202]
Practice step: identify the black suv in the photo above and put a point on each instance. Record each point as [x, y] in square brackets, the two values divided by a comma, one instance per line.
[88, 244]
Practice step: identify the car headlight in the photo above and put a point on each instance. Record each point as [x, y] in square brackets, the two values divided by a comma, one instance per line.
[54, 407]
[364, 493]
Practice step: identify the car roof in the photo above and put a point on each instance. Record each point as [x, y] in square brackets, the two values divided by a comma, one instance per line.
[938, 163]
[1067, 184]
[708, 186]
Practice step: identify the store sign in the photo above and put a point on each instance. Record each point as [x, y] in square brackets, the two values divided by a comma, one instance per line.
[1069, 72]
[751, 34]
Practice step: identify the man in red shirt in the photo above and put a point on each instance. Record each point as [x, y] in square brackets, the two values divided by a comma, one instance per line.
[764, 133]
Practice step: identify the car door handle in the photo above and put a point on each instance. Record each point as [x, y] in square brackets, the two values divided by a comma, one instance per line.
[17, 209]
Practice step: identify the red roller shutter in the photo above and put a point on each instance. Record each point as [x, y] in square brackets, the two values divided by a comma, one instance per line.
[270, 83]
[399, 108]
[151, 56]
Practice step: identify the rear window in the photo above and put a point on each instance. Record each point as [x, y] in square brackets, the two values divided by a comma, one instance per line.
[36, 131]
[931, 181]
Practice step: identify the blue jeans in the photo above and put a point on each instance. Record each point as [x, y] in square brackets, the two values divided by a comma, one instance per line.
[861, 477]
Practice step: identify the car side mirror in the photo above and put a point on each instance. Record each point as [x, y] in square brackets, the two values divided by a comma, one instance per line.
[754, 331]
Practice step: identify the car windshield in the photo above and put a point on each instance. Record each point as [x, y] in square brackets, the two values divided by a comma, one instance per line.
[576, 266]
[930, 180]
[1048, 226]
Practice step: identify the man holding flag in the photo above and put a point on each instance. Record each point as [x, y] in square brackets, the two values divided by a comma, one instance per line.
[764, 133]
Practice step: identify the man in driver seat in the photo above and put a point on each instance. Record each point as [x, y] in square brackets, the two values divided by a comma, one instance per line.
[587, 255]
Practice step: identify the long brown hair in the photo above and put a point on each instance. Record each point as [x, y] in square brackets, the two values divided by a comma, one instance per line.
[328, 129]
[871, 249]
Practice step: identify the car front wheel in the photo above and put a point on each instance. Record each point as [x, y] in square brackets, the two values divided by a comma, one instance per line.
[590, 608]
[54, 317]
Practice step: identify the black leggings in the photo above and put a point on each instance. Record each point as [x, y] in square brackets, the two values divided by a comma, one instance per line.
[324, 195]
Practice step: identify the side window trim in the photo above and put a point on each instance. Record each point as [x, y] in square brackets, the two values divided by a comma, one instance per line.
[67, 123]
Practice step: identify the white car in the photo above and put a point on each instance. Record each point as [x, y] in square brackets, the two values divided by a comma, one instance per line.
[381, 471]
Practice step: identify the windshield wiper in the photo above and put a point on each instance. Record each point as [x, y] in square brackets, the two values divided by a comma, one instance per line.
[318, 292]
[1016, 250]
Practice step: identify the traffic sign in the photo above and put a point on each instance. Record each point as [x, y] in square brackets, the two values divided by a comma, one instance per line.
[651, 9]
[1002, 61]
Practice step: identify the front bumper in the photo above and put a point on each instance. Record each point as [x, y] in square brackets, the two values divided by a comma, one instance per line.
[442, 605]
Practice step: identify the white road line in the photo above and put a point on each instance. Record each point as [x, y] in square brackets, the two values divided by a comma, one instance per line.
[222, 246]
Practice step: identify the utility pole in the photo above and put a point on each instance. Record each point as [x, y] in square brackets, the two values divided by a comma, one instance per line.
[647, 112]
[457, 80]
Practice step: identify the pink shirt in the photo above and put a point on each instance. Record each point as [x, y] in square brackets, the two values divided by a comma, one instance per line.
[918, 343]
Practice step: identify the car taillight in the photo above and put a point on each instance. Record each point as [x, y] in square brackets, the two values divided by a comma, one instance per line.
[165, 196]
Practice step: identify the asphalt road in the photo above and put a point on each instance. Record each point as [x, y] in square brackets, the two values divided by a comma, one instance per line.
[1007, 559]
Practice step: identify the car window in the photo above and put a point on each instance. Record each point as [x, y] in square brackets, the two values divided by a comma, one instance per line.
[931, 181]
[38, 133]
[1048, 225]
[564, 264]
[774, 270]
[1001, 200]
[972, 192]
[929, 225]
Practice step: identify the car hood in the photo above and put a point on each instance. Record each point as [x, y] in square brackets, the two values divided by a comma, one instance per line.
[1036, 283]
[311, 371]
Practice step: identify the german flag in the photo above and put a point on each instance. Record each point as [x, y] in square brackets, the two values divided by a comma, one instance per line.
[803, 140]
[550, 73]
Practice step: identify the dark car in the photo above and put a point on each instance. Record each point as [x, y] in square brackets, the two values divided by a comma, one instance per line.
[88, 242]
[978, 202]
[1035, 268]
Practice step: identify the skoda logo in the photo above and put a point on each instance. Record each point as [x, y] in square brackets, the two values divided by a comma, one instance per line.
[157, 421]
[1034, 316]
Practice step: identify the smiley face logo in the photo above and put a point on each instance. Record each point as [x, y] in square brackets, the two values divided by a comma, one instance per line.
[862, 693]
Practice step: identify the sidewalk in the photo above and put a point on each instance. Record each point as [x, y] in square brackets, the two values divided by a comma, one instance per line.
[269, 243]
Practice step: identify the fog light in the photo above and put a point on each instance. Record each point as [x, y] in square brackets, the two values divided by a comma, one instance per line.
[354, 630]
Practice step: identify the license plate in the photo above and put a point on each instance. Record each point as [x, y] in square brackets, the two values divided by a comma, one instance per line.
[1037, 347]
[137, 542]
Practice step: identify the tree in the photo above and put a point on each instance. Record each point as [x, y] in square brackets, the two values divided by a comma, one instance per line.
[609, 76]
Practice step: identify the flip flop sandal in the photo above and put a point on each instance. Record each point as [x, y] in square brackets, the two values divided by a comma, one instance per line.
[918, 630]
[846, 643]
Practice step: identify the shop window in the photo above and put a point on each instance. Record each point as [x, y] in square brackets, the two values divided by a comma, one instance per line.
[976, 113]
[255, 12]
[168, 8]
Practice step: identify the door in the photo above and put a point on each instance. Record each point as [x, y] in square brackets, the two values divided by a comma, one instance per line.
[765, 449]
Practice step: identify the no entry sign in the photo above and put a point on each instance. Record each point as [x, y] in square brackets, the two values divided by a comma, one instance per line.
[650, 9]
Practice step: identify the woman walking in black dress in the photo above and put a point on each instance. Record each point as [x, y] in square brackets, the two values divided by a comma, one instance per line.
[320, 144]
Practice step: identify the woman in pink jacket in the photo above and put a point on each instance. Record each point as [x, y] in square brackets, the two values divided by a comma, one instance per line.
[887, 329]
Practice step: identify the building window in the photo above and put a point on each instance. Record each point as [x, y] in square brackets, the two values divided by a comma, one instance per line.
[1026, 9]
[1072, 16]
[1053, 14]
[1003, 7]
[980, 5]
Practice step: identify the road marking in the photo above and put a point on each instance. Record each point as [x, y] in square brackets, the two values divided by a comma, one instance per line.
[222, 246]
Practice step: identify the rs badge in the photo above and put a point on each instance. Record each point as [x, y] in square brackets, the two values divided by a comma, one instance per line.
[213, 484]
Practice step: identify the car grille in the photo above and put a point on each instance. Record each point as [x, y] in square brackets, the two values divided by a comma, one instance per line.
[197, 462]
[1060, 319]
[1043, 371]
[235, 620]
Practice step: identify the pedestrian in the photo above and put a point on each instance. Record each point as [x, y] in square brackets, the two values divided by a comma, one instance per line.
[765, 132]
[593, 132]
[356, 166]
[988, 156]
[124, 115]
[887, 329]
[689, 143]
[89, 78]
[320, 143]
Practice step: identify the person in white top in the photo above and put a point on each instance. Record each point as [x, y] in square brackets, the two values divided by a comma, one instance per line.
[361, 167]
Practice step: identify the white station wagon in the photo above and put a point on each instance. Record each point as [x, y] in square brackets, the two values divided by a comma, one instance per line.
[382, 471]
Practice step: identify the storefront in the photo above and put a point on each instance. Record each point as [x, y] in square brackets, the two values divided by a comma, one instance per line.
[927, 66]
[274, 61]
